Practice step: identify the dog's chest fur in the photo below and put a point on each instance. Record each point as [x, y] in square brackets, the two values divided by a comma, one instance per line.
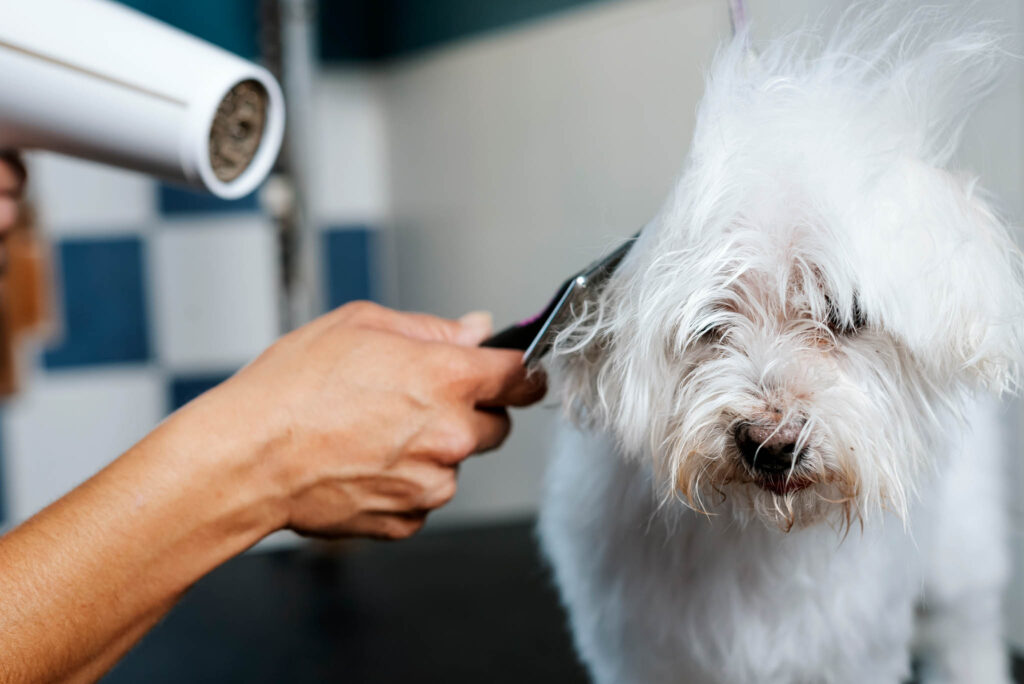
[668, 595]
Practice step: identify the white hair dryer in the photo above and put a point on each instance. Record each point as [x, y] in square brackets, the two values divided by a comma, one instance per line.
[96, 80]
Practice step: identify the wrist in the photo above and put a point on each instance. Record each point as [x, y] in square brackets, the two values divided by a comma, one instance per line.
[220, 458]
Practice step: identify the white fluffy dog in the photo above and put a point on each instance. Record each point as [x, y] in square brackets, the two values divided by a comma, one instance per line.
[785, 470]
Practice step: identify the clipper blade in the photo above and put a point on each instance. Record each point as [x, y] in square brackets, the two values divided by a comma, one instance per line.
[535, 335]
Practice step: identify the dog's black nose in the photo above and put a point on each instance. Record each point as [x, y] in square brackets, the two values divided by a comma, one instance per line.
[768, 449]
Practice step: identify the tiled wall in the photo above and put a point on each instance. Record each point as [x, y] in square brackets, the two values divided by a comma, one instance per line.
[147, 291]
[161, 294]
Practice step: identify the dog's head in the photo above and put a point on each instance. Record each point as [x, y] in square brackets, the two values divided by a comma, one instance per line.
[792, 335]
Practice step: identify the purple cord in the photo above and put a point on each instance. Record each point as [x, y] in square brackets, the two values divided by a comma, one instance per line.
[738, 16]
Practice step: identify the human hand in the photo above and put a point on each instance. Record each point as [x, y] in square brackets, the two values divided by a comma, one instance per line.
[351, 425]
[361, 418]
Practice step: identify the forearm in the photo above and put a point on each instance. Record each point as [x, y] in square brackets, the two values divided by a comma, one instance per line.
[351, 425]
[92, 669]
[84, 579]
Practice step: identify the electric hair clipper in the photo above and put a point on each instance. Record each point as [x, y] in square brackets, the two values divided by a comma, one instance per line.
[536, 334]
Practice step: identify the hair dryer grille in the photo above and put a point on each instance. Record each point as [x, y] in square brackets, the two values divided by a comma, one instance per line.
[237, 129]
[109, 84]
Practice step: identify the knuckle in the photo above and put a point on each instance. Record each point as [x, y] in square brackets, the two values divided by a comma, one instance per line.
[505, 429]
[457, 364]
[403, 528]
[458, 440]
[446, 490]
[449, 493]
[359, 310]
[538, 386]
[448, 439]
[498, 433]
[389, 528]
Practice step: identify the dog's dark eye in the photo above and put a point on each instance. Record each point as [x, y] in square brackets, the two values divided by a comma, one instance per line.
[711, 333]
[840, 326]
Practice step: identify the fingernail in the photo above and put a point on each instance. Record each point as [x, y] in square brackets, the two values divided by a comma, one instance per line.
[476, 327]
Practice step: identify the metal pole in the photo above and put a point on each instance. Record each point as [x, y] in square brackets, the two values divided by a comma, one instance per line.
[298, 71]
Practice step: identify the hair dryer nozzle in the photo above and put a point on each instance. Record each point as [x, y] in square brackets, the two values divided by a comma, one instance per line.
[94, 79]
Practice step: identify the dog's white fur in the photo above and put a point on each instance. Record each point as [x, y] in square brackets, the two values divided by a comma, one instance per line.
[820, 269]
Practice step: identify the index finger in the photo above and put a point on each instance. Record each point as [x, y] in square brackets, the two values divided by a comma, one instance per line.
[467, 331]
[503, 380]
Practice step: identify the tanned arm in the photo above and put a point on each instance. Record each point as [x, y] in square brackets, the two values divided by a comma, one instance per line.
[352, 425]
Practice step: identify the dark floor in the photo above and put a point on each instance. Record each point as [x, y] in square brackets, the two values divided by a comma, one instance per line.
[455, 607]
[463, 606]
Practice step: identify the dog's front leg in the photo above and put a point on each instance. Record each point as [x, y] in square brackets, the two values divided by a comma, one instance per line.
[963, 533]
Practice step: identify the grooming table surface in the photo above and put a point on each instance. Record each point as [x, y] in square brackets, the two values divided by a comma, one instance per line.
[452, 606]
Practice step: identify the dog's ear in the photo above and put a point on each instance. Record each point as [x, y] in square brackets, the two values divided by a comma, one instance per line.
[948, 262]
[601, 383]
[617, 363]
[991, 267]
[943, 274]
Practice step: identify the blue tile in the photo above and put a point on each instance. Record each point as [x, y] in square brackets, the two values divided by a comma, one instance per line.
[104, 304]
[230, 24]
[183, 389]
[349, 265]
[175, 201]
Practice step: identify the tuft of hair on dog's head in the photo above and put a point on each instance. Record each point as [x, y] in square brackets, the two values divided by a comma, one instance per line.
[792, 335]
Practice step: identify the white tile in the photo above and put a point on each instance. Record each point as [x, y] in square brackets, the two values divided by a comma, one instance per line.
[350, 159]
[66, 426]
[75, 197]
[214, 286]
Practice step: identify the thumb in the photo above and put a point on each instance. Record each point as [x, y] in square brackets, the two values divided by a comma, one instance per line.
[474, 328]
[469, 331]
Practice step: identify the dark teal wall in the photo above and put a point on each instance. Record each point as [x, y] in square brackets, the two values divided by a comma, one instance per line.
[368, 30]
[232, 24]
[356, 30]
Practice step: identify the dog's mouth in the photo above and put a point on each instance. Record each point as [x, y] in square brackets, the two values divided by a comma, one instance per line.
[782, 484]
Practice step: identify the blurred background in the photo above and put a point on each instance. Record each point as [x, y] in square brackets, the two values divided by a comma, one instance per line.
[443, 156]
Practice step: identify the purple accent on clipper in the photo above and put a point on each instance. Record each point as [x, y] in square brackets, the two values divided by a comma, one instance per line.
[535, 334]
